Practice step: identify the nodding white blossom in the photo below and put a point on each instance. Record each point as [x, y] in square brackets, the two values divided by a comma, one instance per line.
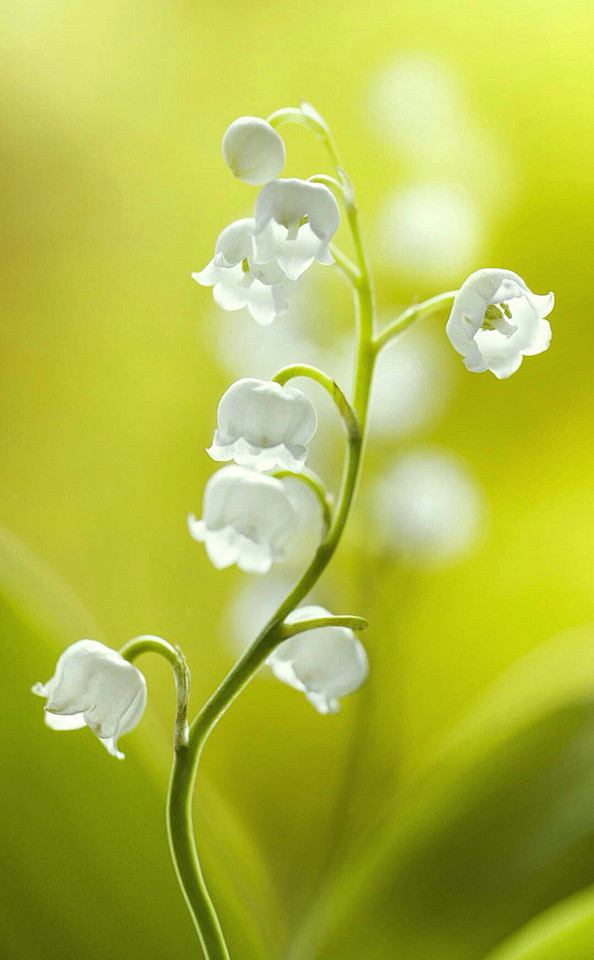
[325, 664]
[253, 150]
[428, 508]
[496, 321]
[262, 424]
[247, 519]
[238, 282]
[94, 685]
[295, 221]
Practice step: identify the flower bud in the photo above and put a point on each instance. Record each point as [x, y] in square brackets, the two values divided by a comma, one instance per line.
[94, 685]
[247, 518]
[325, 664]
[262, 424]
[253, 150]
[496, 321]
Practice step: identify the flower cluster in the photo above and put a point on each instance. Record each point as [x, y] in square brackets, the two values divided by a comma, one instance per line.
[259, 260]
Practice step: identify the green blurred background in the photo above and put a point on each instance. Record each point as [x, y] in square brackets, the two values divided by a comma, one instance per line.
[114, 191]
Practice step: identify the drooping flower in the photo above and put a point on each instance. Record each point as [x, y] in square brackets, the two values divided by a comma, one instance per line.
[238, 282]
[247, 519]
[295, 221]
[428, 508]
[94, 685]
[325, 664]
[253, 150]
[262, 424]
[496, 321]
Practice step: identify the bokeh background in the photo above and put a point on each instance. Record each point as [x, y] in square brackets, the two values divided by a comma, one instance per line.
[468, 131]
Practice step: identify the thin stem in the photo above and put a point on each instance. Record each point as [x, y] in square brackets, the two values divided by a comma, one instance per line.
[182, 844]
[147, 643]
[345, 265]
[317, 487]
[343, 406]
[418, 311]
[179, 813]
[302, 626]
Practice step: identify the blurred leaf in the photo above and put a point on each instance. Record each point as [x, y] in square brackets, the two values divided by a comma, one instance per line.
[499, 828]
[565, 932]
[104, 846]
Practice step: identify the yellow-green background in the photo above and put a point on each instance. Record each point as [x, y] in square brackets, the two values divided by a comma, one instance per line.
[114, 190]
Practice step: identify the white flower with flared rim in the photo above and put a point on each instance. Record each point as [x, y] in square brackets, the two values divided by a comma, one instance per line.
[325, 664]
[263, 425]
[247, 519]
[253, 150]
[295, 221]
[496, 320]
[238, 282]
[94, 686]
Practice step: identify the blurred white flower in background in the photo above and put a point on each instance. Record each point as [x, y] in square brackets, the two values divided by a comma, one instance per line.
[457, 176]
[412, 381]
[415, 105]
[250, 608]
[428, 508]
[429, 229]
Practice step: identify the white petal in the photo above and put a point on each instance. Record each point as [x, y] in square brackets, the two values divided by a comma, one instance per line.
[234, 243]
[56, 721]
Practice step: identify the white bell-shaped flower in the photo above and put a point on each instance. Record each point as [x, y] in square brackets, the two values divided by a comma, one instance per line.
[263, 425]
[325, 664]
[253, 150]
[496, 321]
[295, 221]
[237, 282]
[94, 685]
[247, 519]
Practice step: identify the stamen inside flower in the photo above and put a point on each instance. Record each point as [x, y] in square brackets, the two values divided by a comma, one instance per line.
[495, 319]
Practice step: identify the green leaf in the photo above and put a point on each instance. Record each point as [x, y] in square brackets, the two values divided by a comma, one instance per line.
[497, 830]
[565, 932]
[89, 873]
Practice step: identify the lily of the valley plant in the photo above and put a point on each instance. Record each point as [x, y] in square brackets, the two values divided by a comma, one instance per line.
[263, 432]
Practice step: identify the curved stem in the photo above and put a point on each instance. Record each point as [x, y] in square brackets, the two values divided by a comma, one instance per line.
[343, 406]
[419, 311]
[179, 813]
[147, 643]
[182, 844]
[317, 487]
[187, 756]
[301, 626]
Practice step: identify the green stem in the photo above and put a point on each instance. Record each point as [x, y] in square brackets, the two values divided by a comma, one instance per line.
[419, 311]
[147, 643]
[355, 417]
[343, 406]
[182, 844]
[302, 626]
